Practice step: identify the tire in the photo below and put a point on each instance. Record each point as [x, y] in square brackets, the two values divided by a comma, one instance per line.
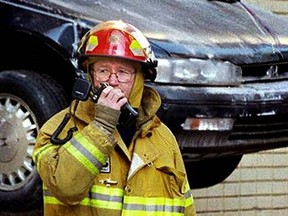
[27, 100]
[209, 172]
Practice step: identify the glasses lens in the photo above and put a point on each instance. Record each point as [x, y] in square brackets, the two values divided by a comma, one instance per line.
[122, 76]
[102, 75]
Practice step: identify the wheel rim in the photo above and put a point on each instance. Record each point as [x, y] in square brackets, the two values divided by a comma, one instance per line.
[18, 131]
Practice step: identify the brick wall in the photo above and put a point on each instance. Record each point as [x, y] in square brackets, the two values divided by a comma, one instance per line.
[258, 187]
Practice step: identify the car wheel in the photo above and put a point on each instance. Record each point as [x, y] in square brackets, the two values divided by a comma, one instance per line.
[27, 100]
[209, 172]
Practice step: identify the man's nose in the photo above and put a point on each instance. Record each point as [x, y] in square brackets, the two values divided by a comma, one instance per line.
[113, 80]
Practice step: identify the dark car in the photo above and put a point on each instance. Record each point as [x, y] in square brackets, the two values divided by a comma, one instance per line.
[222, 77]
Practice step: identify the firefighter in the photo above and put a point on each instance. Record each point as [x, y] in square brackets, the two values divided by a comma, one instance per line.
[110, 154]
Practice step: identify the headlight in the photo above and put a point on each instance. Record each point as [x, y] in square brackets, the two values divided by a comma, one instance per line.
[197, 71]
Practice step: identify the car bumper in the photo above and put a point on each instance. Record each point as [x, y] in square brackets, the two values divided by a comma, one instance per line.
[260, 112]
[247, 100]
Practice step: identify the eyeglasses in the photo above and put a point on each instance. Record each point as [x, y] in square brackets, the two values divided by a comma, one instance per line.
[122, 75]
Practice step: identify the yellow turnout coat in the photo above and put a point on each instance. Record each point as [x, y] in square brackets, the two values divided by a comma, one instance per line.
[94, 173]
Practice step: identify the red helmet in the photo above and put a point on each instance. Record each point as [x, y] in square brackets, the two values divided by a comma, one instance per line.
[120, 40]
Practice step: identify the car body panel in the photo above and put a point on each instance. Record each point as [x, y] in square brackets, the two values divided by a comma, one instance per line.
[233, 26]
[253, 39]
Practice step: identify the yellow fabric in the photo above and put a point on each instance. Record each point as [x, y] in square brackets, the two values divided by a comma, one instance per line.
[147, 179]
[137, 89]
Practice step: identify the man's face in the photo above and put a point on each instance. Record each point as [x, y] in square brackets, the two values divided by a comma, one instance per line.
[117, 73]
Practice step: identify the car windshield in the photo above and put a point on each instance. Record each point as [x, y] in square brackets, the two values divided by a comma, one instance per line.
[198, 27]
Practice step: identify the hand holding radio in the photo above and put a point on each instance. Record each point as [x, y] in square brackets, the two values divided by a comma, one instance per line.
[115, 98]
[111, 97]
[83, 89]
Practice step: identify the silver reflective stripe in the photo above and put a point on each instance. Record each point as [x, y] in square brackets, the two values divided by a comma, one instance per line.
[97, 200]
[86, 153]
[98, 196]
[154, 208]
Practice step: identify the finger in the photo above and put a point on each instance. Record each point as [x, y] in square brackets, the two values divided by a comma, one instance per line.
[106, 91]
[115, 94]
[122, 101]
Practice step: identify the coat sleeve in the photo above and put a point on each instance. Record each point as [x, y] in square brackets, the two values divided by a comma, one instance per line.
[68, 170]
